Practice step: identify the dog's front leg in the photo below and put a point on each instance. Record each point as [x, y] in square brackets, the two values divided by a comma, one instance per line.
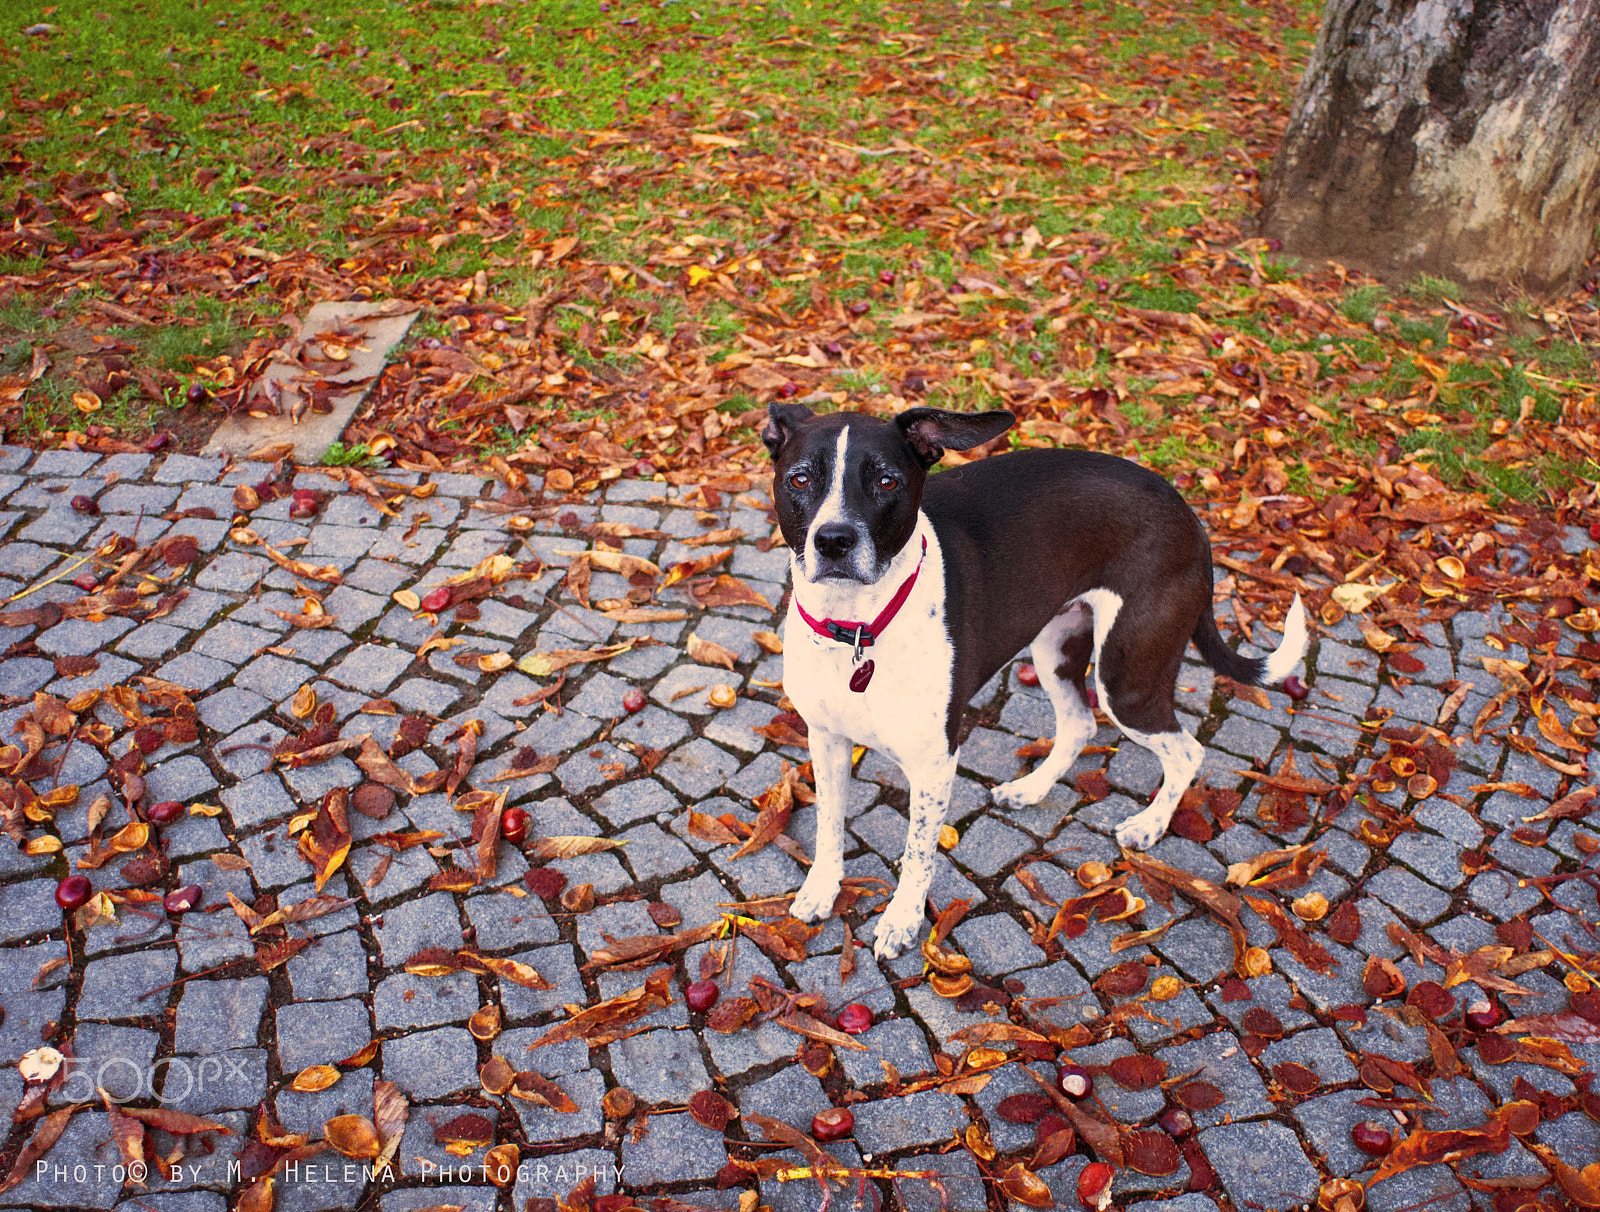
[930, 797]
[830, 766]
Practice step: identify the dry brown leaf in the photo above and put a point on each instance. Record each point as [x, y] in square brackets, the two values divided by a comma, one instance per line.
[563, 846]
[705, 652]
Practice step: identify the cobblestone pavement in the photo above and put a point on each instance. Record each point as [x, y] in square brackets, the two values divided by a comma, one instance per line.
[227, 1041]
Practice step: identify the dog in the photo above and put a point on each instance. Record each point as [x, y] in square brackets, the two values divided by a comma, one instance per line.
[909, 592]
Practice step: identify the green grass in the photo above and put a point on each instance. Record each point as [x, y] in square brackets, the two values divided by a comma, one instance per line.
[400, 148]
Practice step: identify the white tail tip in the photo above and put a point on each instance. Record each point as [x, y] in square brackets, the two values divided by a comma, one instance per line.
[1287, 655]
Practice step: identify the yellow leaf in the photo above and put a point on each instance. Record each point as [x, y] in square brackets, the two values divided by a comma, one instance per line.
[1355, 597]
[407, 599]
[703, 140]
[1165, 988]
[317, 1077]
[205, 810]
[698, 274]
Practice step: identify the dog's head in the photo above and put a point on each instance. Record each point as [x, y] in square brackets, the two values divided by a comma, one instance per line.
[847, 487]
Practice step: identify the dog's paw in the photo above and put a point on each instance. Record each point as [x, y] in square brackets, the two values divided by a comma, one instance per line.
[1142, 830]
[897, 929]
[1020, 793]
[815, 899]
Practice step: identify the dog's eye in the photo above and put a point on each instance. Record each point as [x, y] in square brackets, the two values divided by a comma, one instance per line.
[888, 483]
[800, 479]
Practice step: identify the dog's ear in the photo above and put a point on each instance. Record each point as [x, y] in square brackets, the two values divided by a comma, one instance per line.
[932, 431]
[782, 421]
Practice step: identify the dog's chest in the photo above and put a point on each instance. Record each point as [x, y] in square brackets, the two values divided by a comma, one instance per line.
[902, 709]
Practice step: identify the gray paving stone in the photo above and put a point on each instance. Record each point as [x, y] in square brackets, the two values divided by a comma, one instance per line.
[736, 726]
[1224, 1064]
[185, 778]
[652, 853]
[85, 1141]
[150, 641]
[321, 1033]
[1436, 859]
[334, 967]
[652, 728]
[258, 799]
[1261, 1165]
[137, 498]
[371, 668]
[406, 929]
[594, 767]
[21, 676]
[891, 1124]
[432, 1064]
[80, 637]
[312, 782]
[634, 801]
[58, 525]
[698, 768]
[1408, 896]
[557, 965]
[193, 671]
[183, 469]
[542, 1124]
[232, 708]
[406, 1000]
[987, 846]
[1246, 737]
[660, 1066]
[112, 987]
[677, 1149]
[217, 1015]
[698, 681]
[997, 945]
[790, 1095]
[28, 909]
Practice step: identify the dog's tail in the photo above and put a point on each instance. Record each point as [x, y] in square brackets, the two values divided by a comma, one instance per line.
[1254, 671]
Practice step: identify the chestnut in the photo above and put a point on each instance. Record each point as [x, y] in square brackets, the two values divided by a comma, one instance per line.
[514, 825]
[165, 812]
[73, 892]
[835, 1123]
[854, 1019]
[1073, 1080]
[702, 995]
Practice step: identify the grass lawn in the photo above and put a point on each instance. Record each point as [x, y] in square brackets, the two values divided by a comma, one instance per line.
[641, 222]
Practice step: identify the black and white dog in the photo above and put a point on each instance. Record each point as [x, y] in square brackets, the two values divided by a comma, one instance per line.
[909, 593]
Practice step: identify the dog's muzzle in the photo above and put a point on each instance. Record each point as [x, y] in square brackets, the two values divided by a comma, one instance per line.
[838, 552]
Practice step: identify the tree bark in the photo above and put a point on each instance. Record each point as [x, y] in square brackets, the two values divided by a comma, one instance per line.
[1460, 138]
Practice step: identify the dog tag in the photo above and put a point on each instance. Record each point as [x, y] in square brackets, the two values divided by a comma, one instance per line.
[860, 678]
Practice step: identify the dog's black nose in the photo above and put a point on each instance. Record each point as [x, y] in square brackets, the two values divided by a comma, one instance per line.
[836, 540]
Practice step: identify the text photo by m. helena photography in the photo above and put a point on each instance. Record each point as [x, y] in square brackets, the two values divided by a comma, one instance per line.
[556, 1173]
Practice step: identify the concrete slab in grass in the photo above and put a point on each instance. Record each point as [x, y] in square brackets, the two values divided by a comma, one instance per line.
[368, 331]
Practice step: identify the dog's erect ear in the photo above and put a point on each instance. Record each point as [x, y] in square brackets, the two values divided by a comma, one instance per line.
[782, 421]
[932, 431]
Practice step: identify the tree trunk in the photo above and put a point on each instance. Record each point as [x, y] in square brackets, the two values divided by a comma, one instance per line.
[1459, 138]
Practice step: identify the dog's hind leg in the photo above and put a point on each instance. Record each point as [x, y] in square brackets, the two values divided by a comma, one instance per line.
[897, 926]
[1137, 675]
[1061, 655]
[830, 763]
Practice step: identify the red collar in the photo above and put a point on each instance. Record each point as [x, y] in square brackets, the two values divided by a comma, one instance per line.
[862, 635]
